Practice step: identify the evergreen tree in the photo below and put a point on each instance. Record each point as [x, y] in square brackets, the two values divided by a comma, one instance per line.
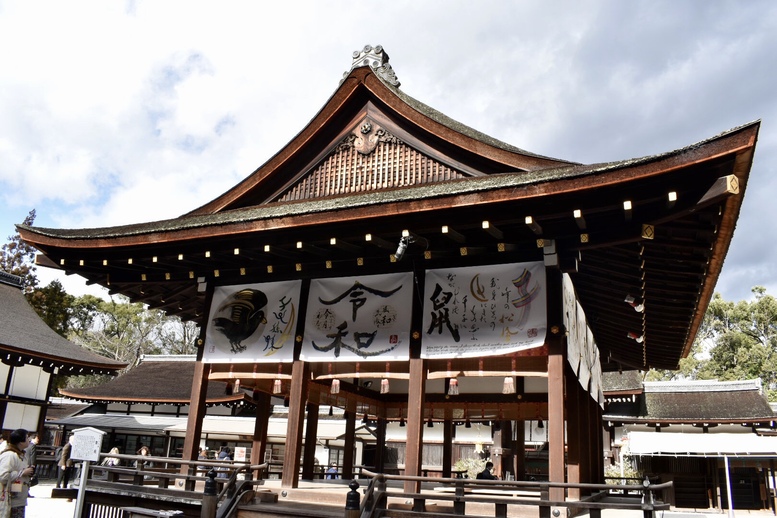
[737, 341]
[18, 258]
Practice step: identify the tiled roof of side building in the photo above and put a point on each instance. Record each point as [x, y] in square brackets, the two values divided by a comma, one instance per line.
[158, 380]
[23, 332]
[623, 381]
[706, 400]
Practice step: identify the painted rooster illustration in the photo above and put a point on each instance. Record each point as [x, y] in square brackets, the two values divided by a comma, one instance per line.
[244, 312]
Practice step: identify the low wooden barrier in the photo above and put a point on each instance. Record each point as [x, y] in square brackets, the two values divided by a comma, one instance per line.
[457, 493]
[158, 484]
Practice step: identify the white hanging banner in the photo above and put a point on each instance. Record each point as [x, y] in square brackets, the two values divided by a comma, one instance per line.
[359, 318]
[253, 323]
[484, 310]
[574, 344]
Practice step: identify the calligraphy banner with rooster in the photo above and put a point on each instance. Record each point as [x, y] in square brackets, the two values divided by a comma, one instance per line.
[484, 310]
[253, 323]
[359, 318]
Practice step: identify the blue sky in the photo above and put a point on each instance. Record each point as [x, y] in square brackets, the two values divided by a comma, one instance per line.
[121, 112]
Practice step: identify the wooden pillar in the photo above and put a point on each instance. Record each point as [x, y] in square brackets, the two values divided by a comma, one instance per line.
[6, 392]
[588, 443]
[496, 458]
[447, 444]
[519, 459]
[519, 447]
[380, 450]
[556, 420]
[600, 438]
[263, 404]
[415, 423]
[311, 433]
[577, 435]
[191, 444]
[350, 439]
[556, 361]
[41, 428]
[508, 448]
[297, 400]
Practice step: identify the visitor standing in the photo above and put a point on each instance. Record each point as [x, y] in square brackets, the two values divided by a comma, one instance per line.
[14, 476]
[65, 463]
[31, 454]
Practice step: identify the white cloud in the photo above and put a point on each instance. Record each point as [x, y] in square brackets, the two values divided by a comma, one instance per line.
[119, 112]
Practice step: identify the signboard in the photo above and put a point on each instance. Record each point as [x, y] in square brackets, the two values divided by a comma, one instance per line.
[253, 323]
[86, 444]
[240, 453]
[359, 318]
[484, 310]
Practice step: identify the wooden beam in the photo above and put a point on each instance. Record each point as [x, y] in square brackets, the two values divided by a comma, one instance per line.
[452, 234]
[344, 245]
[533, 225]
[492, 230]
[379, 242]
[723, 187]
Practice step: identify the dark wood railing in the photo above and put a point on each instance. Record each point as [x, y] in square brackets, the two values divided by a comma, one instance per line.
[456, 493]
[160, 483]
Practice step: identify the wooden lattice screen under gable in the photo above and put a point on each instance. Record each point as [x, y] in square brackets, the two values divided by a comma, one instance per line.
[392, 164]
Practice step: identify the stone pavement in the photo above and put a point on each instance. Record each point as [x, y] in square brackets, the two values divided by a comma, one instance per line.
[43, 506]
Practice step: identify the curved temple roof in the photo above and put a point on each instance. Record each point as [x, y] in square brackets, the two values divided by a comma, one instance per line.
[374, 162]
[26, 339]
[142, 385]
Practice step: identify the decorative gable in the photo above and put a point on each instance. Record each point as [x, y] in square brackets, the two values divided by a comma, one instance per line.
[369, 158]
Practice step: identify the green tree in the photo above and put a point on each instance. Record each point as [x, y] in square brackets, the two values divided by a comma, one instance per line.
[737, 341]
[119, 329]
[179, 337]
[18, 258]
[125, 331]
[53, 305]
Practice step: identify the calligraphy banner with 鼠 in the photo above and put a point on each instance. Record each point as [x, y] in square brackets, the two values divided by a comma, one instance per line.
[252, 323]
[484, 310]
[359, 318]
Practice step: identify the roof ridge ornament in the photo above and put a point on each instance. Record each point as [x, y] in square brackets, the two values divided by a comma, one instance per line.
[378, 60]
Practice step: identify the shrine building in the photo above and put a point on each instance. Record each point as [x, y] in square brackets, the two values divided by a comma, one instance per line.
[410, 270]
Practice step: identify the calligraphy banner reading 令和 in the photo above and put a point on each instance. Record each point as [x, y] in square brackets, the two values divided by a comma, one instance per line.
[484, 310]
[359, 318]
[252, 323]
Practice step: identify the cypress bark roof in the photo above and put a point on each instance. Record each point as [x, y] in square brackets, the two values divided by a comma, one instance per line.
[706, 401]
[158, 381]
[27, 339]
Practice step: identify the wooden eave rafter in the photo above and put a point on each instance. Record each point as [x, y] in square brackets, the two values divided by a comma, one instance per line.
[226, 400]
[18, 357]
